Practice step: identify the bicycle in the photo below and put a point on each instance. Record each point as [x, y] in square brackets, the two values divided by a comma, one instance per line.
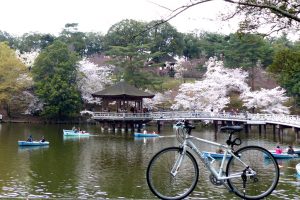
[251, 172]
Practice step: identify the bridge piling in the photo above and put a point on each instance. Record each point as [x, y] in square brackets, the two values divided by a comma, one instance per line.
[158, 126]
[246, 127]
[216, 122]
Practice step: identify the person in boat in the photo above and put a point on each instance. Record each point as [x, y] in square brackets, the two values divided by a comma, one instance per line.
[220, 151]
[43, 139]
[30, 139]
[278, 150]
[145, 131]
[290, 150]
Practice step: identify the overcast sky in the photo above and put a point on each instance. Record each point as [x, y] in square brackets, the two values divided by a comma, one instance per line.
[50, 16]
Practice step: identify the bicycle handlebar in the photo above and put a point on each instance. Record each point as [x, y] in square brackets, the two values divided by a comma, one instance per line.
[187, 125]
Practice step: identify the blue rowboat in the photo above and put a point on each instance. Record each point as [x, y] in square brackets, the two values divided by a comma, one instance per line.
[298, 169]
[75, 133]
[215, 155]
[297, 151]
[283, 155]
[146, 135]
[33, 143]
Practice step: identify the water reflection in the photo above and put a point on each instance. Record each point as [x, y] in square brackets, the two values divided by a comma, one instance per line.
[110, 165]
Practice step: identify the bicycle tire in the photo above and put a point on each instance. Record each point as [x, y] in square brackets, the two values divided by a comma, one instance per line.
[265, 166]
[160, 180]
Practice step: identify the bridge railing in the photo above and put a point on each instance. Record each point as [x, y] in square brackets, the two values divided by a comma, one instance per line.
[293, 120]
[118, 116]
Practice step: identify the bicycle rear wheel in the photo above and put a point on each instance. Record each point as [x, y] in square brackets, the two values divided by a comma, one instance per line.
[167, 186]
[263, 163]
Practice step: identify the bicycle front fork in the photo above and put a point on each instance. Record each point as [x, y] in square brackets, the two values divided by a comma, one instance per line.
[178, 162]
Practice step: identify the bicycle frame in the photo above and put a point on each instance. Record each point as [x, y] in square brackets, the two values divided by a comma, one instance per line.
[187, 143]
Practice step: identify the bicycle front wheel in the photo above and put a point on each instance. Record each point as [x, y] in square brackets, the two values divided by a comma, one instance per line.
[264, 166]
[161, 179]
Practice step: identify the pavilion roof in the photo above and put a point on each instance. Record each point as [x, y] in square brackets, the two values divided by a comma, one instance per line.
[122, 90]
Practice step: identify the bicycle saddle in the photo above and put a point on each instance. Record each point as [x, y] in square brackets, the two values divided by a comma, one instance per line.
[231, 128]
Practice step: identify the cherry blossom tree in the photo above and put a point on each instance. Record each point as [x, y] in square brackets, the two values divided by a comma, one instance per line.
[158, 99]
[212, 93]
[267, 101]
[34, 104]
[28, 58]
[93, 78]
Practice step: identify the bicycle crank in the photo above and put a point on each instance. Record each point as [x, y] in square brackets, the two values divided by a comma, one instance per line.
[215, 181]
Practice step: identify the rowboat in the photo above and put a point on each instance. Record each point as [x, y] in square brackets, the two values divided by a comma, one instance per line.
[33, 143]
[215, 155]
[297, 151]
[298, 169]
[75, 133]
[146, 135]
[283, 155]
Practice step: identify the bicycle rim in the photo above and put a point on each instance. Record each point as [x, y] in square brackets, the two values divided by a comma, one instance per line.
[160, 180]
[265, 166]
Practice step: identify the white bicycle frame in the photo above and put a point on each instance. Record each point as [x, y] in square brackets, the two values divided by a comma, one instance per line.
[204, 158]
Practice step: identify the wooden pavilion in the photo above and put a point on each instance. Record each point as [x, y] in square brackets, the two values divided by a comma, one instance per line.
[127, 98]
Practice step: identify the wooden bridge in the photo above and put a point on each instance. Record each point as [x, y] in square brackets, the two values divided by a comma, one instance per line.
[279, 120]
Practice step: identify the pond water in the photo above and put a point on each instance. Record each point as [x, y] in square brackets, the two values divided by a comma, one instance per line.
[112, 165]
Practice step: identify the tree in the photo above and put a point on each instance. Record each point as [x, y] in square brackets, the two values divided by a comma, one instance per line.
[212, 44]
[128, 45]
[54, 73]
[246, 50]
[165, 40]
[94, 43]
[93, 78]
[257, 15]
[213, 92]
[191, 47]
[30, 42]
[266, 101]
[130, 61]
[6, 37]
[157, 101]
[27, 58]
[12, 75]
[286, 66]
[126, 32]
[73, 38]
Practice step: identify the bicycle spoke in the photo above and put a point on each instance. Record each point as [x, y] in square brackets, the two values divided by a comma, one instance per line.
[160, 179]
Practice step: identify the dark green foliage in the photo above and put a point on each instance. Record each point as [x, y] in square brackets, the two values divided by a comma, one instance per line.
[6, 37]
[192, 47]
[212, 44]
[126, 32]
[131, 60]
[54, 73]
[286, 65]
[73, 38]
[94, 43]
[246, 50]
[166, 40]
[33, 41]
